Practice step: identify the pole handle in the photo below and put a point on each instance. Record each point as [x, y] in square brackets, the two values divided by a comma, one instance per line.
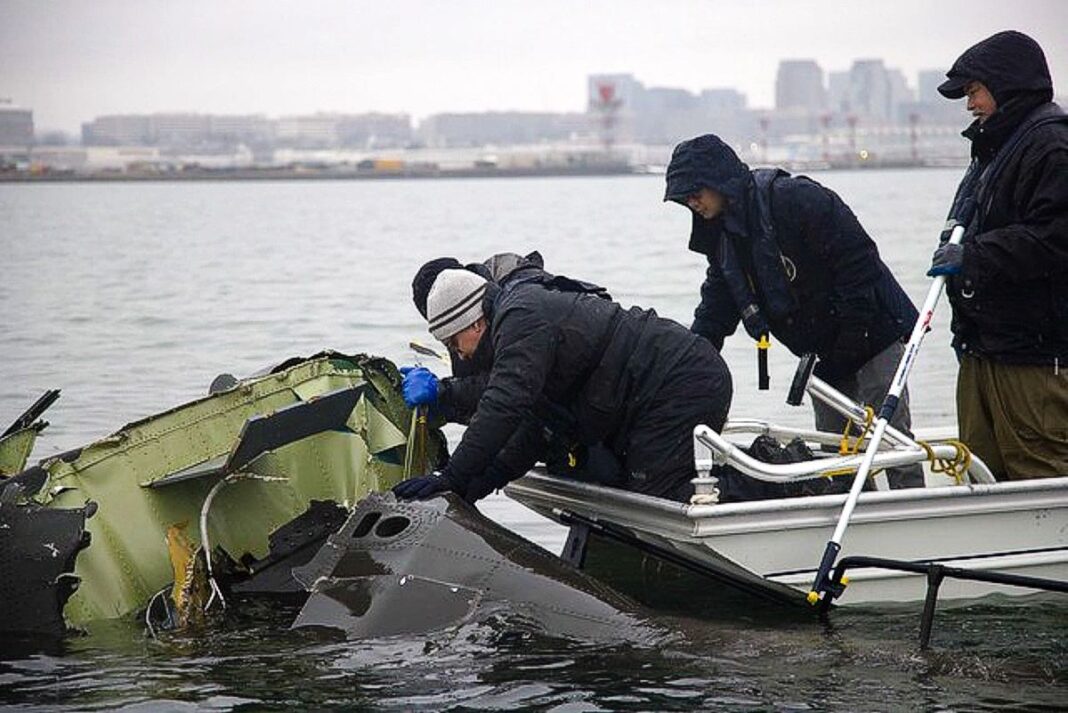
[763, 377]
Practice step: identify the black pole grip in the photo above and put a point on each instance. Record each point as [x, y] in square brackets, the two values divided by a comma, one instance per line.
[801, 377]
[763, 378]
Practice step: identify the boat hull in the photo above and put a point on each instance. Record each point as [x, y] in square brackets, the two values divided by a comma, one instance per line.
[1013, 527]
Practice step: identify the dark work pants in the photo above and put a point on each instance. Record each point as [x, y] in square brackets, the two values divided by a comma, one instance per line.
[658, 449]
[869, 386]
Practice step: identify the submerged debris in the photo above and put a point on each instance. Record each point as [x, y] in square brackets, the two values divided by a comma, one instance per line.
[326, 428]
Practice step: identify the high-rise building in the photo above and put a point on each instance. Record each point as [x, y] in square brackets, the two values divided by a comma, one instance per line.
[927, 84]
[16, 125]
[870, 95]
[799, 85]
[900, 93]
[838, 99]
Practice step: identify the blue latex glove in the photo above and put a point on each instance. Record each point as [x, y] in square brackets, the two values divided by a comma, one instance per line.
[420, 386]
[422, 487]
[947, 260]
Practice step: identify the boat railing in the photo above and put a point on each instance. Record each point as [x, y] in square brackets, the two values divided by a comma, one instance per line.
[897, 448]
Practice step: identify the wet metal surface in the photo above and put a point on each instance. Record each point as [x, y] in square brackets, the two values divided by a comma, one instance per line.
[421, 566]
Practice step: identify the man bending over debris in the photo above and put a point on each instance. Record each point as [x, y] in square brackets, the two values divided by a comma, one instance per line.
[625, 378]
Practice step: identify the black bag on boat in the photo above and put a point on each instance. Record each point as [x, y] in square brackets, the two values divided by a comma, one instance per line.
[735, 486]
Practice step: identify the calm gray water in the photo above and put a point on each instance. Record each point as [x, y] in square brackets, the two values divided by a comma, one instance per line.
[132, 297]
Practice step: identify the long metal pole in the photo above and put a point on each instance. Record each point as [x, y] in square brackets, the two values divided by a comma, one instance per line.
[822, 584]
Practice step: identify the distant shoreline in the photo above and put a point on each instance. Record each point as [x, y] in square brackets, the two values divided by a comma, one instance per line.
[322, 174]
[347, 174]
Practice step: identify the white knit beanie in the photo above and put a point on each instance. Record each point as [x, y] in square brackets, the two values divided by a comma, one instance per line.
[454, 302]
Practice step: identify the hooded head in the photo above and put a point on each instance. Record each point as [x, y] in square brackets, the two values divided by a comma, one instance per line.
[454, 302]
[705, 162]
[1007, 64]
[424, 279]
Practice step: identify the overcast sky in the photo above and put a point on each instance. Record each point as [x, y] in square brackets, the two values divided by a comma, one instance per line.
[71, 61]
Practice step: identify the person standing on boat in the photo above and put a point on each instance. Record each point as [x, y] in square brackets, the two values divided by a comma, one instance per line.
[1008, 278]
[628, 379]
[788, 258]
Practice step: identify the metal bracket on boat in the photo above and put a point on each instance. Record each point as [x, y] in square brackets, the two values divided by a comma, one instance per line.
[711, 448]
[705, 485]
[936, 573]
[726, 452]
[574, 553]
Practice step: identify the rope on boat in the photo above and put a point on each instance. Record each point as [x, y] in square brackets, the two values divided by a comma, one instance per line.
[844, 447]
[955, 467]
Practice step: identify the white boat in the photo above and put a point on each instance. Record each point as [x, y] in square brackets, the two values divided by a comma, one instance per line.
[1011, 528]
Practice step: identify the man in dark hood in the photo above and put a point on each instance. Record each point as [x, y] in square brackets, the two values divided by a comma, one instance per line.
[1008, 278]
[787, 257]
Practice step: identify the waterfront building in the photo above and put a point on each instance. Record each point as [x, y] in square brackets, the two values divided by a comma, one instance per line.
[180, 130]
[374, 130]
[240, 129]
[501, 128]
[117, 130]
[799, 85]
[16, 125]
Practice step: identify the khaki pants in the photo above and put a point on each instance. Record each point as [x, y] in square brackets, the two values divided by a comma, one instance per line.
[1014, 417]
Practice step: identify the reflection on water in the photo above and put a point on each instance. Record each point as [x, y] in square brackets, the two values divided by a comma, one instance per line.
[132, 298]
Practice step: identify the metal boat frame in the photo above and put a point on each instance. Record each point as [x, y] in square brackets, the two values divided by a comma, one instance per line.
[1015, 528]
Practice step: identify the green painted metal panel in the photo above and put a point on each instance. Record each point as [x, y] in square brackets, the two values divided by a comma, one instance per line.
[15, 449]
[127, 562]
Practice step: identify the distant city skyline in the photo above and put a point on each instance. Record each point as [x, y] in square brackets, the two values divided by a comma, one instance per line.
[70, 62]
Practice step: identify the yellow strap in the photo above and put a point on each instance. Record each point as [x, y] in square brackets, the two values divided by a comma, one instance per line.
[955, 467]
[847, 449]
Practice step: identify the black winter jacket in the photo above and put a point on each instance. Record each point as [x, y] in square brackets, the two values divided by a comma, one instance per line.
[795, 250]
[458, 396]
[588, 355]
[1010, 300]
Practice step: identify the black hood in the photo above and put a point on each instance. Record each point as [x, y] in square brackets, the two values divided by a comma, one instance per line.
[1008, 63]
[705, 162]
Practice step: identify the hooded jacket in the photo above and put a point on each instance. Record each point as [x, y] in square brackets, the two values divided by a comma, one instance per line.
[576, 351]
[1010, 300]
[788, 256]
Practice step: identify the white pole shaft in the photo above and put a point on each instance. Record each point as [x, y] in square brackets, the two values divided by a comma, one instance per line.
[897, 386]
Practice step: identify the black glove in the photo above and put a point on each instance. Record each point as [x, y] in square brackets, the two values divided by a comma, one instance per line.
[422, 487]
[948, 259]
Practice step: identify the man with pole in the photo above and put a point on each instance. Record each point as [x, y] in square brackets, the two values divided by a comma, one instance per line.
[1008, 277]
[1006, 254]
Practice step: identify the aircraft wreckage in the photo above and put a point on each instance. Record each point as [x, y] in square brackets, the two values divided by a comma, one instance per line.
[261, 488]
